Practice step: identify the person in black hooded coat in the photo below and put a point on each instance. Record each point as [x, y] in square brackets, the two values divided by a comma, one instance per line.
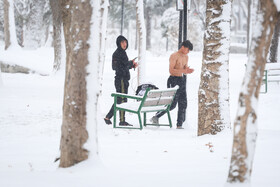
[121, 65]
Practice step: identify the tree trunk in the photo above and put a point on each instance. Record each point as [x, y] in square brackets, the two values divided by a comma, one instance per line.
[245, 124]
[103, 25]
[6, 24]
[142, 41]
[149, 26]
[213, 103]
[77, 22]
[275, 42]
[56, 15]
[9, 24]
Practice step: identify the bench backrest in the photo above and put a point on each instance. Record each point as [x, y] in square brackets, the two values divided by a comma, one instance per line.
[155, 98]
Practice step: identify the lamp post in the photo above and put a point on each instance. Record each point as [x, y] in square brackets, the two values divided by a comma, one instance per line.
[182, 6]
[185, 34]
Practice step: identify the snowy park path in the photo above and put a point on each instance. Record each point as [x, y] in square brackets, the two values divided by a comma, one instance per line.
[30, 122]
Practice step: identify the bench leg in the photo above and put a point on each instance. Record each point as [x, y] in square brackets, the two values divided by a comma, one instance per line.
[145, 117]
[169, 119]
[140, 122]
[115, 117]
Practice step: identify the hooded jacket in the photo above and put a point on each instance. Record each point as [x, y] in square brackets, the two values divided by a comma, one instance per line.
[120, 60]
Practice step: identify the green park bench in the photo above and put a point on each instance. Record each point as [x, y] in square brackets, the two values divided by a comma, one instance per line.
[152, 101]
[271, 74]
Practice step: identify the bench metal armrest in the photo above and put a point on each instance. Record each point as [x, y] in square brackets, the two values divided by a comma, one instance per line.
[126, 96]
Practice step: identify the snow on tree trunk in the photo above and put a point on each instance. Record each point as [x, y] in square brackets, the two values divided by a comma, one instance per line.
[57, 42]
[79, 136]
[9, 24]
[149, 26]
[213, 103]
[245, 124]
[103, 37]
[275, 42]
[142, 41]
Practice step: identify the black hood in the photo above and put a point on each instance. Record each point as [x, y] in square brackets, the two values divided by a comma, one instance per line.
[119, 40]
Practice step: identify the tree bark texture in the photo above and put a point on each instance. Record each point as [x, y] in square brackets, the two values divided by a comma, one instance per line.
[275, 42]
[245, 124]
[7, 24]
[76, 21]
[213, 103]
[56, 15]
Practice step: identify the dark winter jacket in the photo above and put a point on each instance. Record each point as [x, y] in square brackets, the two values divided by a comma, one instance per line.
[120, 60]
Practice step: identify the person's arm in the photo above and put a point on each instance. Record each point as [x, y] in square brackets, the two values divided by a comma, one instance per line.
[187, 68]
[132, 64]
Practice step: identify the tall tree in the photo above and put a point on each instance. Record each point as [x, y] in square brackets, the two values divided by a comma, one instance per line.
[9, 24]
[36, 31]
[245, 124]
[57, 28]
[1, 20]
[275, 42]
[142, 40]
[148, 13]
[81, 90]
[153, 8]
[213, 102]
[103, 36]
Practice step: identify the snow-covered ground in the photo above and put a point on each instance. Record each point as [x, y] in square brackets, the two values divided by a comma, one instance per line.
[30, 123]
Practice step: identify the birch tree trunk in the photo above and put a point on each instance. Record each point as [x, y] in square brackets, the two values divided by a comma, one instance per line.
[142, 41]
[149, 26]
[103, 37]
[245, 124]
[213, 102]
[80, 19]
[6, 24]
[9, 24]
[57, 27]
[275, 42]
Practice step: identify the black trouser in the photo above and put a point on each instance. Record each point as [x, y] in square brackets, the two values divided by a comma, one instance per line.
[180, 98]
[121, 85]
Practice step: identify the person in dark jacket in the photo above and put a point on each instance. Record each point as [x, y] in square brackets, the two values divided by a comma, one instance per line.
[121, 65]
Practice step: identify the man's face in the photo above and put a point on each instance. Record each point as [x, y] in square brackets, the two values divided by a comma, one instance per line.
[185, 50]
[123, 45]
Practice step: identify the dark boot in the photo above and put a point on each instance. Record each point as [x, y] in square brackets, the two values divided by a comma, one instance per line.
[124, 123]
[107, 121]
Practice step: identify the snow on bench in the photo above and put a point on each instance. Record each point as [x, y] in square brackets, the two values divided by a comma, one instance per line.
[273, 72]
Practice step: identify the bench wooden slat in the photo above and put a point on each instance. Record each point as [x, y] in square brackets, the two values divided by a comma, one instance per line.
[156, 102]
[153, 94]
[170, 93]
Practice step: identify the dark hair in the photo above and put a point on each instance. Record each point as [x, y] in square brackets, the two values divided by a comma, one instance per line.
[120, 39]
[187, 44]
